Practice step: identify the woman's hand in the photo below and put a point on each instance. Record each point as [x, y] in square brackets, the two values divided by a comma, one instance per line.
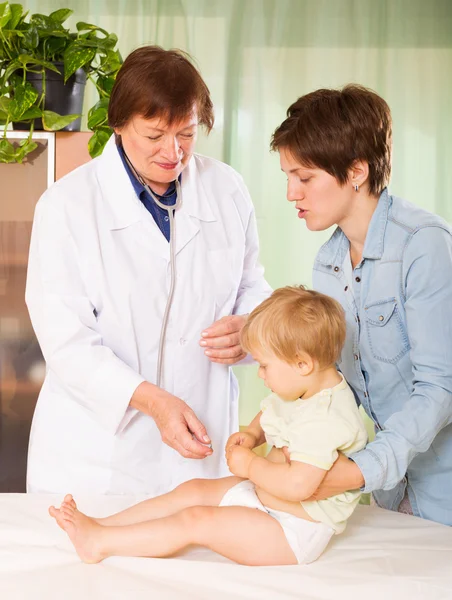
[343, 476]
[221, 340]
[239, 459]
[179, 427]
[241, 438]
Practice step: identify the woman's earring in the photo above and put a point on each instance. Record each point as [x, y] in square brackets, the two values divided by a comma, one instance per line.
[356, 188]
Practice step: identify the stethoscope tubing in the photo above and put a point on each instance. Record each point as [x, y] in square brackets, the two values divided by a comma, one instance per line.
[171, 209]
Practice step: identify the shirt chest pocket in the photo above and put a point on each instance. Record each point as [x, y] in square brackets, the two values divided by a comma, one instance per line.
[386, 333]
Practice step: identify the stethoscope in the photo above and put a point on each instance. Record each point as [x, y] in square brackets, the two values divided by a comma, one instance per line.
[171, 210]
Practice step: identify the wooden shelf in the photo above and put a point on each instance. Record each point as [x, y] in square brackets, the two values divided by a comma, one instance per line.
[20, 387]
[14, 260]
[21, 187]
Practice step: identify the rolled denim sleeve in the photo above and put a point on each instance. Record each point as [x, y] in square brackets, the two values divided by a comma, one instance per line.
[427, 289]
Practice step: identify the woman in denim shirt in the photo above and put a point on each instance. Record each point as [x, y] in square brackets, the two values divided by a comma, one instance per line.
[389, 264]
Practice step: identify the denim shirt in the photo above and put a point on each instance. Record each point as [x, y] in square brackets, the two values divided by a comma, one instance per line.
[397, 356]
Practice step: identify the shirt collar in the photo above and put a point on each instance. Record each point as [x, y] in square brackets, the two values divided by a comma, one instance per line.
[126, 206]
[374, 244]
[334, 250]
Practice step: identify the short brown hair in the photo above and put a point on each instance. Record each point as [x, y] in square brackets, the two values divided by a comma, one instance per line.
[331, 129]
[295, 320]
[154, 82]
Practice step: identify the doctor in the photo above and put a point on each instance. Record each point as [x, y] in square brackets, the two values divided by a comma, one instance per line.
[99, 279]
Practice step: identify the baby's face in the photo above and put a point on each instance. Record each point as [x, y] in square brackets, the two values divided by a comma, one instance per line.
[280, 377]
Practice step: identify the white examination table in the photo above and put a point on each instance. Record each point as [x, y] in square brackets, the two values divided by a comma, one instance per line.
[381, 556]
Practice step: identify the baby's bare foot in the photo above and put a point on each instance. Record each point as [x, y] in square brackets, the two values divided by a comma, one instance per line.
[56, 512]
[83, 531]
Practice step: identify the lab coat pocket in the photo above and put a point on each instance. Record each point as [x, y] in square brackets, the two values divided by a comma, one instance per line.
[386, 333]
[225, 277]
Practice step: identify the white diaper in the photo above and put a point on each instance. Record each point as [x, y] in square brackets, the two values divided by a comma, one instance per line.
[307, 539]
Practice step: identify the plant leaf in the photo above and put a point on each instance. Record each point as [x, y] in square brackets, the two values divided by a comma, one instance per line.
[98, 114]
[7, 151]
[75, 57]
[82, 26]
[30, 40]
[106, 84]
[45, 23]
[25, 147]
[16, 14]
[32, 113]
[111, 62]
[29, 60]
[52, 121]
[24, 96]
[10, 70]
[97, 142]
[55, 47]
[60, 16]
[5, 14]
[4, 104]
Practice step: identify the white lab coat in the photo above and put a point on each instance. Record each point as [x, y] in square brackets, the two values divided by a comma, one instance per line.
[97, 286]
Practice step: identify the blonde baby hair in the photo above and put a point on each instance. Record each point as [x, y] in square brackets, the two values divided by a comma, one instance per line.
[293, 321]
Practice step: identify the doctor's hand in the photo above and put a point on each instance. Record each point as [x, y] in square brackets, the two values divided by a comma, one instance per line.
[222, 340]
[179, 427]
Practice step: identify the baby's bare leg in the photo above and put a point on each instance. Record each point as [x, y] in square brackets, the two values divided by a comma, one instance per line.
[245, 535]
[196, 492]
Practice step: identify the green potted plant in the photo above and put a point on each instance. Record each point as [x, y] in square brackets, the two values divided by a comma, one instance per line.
[39, 54]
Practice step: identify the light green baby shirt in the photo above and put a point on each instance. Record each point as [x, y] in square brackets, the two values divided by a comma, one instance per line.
[315, 430]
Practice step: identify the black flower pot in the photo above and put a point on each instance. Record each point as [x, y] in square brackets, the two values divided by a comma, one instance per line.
[62, 98]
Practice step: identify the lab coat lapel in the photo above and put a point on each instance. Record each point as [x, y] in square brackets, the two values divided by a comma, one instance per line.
[195, 206]
[126, 209]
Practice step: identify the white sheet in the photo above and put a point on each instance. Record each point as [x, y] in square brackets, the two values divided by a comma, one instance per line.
[381, 556]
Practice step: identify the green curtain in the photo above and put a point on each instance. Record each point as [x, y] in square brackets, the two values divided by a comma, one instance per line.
[258, 56]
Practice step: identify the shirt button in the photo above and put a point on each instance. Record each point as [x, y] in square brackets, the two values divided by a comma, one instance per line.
[166, 218]
[357, 279]
[365, 394]
[381, 318]
[336, 269]
[182, 341]
[355, 356]
[345, 288]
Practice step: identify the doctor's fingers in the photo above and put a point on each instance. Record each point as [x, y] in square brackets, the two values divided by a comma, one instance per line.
[196, 427]
[224, 341]
[188, 447]
[225, 326]
[228, 356]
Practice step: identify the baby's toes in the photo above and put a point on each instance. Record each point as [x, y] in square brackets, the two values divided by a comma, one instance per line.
[68, 512]
[70, 500]
[53, 512]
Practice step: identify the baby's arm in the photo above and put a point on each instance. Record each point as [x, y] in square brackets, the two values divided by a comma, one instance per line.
[294, 481]
[255, 429]
[251, 437]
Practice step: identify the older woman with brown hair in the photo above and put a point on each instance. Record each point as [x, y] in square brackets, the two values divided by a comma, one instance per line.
[143, 263]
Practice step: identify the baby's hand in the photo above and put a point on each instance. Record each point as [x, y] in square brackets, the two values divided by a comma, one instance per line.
[239, 459]
[241, 438]
[286, 453]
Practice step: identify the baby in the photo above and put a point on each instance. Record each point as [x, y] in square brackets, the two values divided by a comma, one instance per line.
[264, 514]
